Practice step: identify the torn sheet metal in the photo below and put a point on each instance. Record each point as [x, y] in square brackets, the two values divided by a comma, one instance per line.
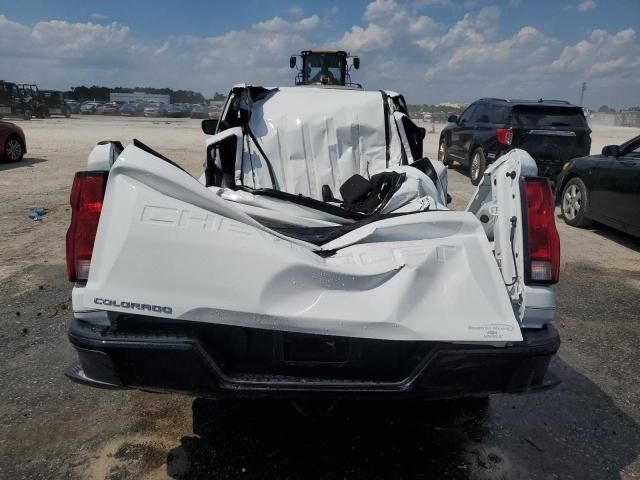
[316, 140]
[417, 193]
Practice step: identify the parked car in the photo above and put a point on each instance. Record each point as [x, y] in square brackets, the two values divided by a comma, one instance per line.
[603, 188]
[12, 139]
[552, 132]
[175, 111]
[288, 278]
[186, 108]
[155, 110]
[214, 112]
[73, 105]
[89, 107]
[109, 108]
[198, 111]
[132, 109]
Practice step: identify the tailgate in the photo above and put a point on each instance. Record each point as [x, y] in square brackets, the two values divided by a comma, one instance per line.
[551, 136]
[169, 247]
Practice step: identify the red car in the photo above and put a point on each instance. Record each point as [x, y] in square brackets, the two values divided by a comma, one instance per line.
[111, 108]
[13, 143]
[214, 112]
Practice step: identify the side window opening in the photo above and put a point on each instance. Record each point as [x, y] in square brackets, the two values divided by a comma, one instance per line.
[467, 114]
[415, 137]
[500, 114]
[481, 114]
[536, 117]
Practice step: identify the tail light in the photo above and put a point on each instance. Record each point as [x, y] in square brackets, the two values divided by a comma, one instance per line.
[542, 242]
[505, 136]
[87, 195]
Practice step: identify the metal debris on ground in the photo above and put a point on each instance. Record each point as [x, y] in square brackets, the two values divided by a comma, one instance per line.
[36, 213]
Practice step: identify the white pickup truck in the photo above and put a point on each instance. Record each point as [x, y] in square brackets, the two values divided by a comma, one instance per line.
[316, 255]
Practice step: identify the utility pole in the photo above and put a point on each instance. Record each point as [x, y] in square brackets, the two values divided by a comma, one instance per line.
[582, 90]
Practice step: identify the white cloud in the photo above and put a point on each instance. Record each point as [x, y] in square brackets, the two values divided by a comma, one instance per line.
[367, 39]
[487, 19]
[586, 5]
[401, 50]
[163, 48]
[278, 24]
[421, 24]
[530, 63]
[385, 12]
[273, 25]
[308, 23]
[601, 51]
[462, 32]
[380, 9]
[58, 54]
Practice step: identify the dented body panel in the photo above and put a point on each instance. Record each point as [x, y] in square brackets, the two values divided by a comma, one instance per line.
[388, 279]
[262, 254]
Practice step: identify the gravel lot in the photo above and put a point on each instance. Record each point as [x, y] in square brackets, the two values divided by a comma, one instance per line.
[587, 428]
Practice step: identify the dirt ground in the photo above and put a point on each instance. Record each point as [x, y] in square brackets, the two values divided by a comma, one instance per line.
[587, 428]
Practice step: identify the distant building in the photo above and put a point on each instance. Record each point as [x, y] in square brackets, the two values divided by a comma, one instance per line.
[456, 106]
[139, 97]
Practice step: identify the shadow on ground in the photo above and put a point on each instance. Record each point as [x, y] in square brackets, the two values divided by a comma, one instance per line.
[575, 431]
[462, 170]
[25, 162]
[371, 440]
[621, 238]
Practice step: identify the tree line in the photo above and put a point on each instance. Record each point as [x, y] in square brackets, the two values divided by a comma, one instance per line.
[102, 93]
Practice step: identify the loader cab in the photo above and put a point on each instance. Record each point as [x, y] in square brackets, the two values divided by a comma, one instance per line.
[14, 102]
[325, 67]
[30, 93]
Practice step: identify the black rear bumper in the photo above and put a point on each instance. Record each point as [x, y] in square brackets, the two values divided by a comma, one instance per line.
[221, 362]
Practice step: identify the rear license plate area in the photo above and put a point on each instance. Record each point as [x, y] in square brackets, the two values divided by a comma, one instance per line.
[301, 349]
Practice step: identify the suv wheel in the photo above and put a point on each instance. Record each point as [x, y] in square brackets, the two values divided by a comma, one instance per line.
[443, 154]
[575, 202]
[27, 114]
[477, 165]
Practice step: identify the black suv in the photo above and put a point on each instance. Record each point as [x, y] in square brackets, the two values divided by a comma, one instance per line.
[551, 131]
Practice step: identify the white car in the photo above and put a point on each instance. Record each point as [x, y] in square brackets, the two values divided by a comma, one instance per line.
[315, 255]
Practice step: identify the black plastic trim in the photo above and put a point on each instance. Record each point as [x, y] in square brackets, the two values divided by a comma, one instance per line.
[165, 361]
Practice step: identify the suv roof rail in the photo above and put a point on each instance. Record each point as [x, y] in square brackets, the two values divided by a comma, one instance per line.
[492, 99]
[565, 102]
[541, 100]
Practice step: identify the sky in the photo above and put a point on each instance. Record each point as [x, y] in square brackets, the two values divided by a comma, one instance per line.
[430, 50]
